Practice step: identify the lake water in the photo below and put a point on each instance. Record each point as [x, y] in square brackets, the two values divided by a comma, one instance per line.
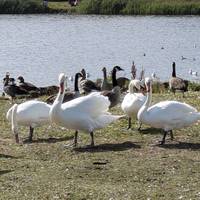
[39, 47]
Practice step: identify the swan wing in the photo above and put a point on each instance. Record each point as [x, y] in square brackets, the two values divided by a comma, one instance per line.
[93, 104]
[133, 102]
[33, 111]
[170, 112]
[173, 107]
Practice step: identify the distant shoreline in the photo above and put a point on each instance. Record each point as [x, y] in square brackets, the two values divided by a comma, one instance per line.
[102, 7]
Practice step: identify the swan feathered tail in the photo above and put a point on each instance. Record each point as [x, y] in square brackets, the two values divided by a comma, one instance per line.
[106, 119]
[14, 122]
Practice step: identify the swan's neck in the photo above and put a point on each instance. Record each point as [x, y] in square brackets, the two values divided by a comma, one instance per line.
[147, 102]
[130, 89]
[173, 70]
[59, 99]
[114, 79]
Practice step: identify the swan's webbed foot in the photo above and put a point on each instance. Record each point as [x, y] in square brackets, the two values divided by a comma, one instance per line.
[140, 126]
[74, 144]
[75, 138]
[171, 135]
[30, 138]
[129, 123]
[164, 136]
[17, 138]
[92, 139]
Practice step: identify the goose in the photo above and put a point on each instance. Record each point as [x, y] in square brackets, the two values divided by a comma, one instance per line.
[27, 86]
[31, 113]
[123, 83]
[68, 95]
[6, 78]
[114, 95]
[166, 115]
[105, 84]
[133, 101]
[176, 83]
[12, 90]
[86, 86]
[86, 113]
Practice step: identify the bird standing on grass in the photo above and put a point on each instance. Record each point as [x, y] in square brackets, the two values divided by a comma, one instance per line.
[166, 115]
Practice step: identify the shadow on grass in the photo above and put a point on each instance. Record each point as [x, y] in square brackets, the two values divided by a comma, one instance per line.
[109, 147]
[181, 145]
[50, 140]
[5, 171]
[7, 156]
[152, 131]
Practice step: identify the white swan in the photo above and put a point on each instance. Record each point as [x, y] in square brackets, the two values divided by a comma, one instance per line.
[30, 113]
[167, 115]
[132, 101]
[86, 113]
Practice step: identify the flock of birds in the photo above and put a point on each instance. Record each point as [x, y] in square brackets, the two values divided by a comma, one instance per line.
[87, 107]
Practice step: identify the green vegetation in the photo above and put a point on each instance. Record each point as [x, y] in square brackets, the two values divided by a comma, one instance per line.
[108, 7]
[140, 7]
[123, 165]
[21, 6]
[194, 86]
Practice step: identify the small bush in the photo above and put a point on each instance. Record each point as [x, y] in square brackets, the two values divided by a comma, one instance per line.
[194, 86]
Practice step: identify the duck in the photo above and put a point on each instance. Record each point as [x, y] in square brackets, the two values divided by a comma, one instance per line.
[69, 95]
[193, 73]
[183, 58]
[114, 95]
[27, 86]
[105, 84]
[86, 86]
[176, 83]
[31, 113]
[12, 90]
[133, 101]
[86, 113]
[166, 115]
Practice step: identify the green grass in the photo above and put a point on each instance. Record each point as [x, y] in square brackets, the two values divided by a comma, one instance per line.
[61, 7]
[124, 164]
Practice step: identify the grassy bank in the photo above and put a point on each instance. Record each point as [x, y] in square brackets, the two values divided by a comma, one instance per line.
[140, 7]
[108, 7]
[124, 164]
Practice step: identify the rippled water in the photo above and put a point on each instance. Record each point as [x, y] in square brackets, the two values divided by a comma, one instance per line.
[39, 47]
